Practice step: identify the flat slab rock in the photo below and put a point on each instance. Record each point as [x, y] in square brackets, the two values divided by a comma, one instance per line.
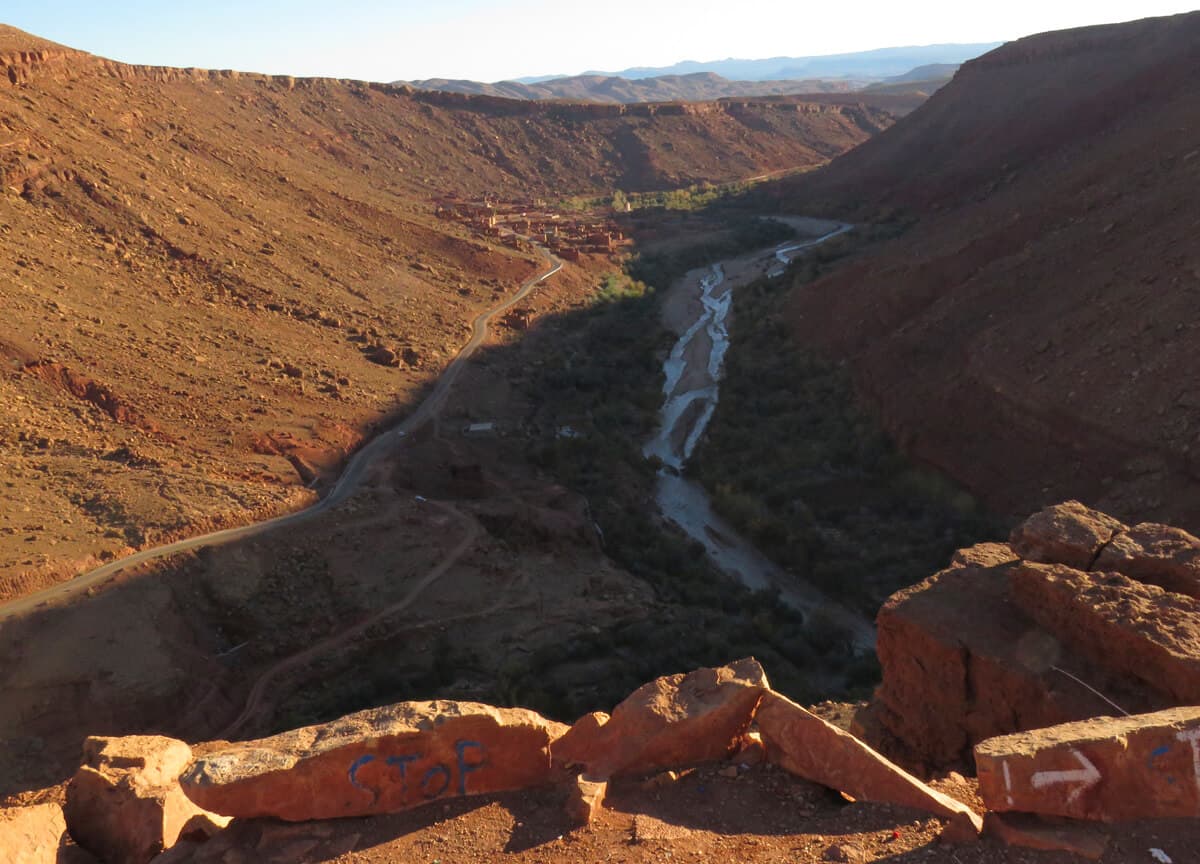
[379, 761]
[1146, 766]
[1031, 832]
[810, 747]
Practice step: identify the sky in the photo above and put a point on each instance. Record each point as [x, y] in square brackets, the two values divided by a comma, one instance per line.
[488, 41]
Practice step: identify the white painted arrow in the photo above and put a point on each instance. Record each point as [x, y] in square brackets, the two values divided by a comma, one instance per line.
[1087, 775]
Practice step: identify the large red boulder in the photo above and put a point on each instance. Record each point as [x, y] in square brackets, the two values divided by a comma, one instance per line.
[378, 761]
[1146, 766]
[670, 722]
[810, 747]
[961, 662]
[32, 835]
[124, 803]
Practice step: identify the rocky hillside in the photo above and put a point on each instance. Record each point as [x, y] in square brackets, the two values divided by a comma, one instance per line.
[1019, 692]
[217, 282]
[1034, 333]
[699, 86]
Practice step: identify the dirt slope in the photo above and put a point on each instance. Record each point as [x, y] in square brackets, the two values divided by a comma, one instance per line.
[1035, 333]
[198, 265]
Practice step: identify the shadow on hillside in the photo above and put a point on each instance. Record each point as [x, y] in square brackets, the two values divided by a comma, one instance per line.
[174, 648]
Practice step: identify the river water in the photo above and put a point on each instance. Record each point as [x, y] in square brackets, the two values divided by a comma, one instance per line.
[691, 390]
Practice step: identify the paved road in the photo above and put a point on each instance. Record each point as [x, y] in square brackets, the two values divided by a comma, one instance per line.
[346, 485]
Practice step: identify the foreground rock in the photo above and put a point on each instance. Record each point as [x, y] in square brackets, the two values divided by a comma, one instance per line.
[585, 797]
[1086, 539]
[125, 805]
[1137, 630]
[962, 662]
[32, 835]
[1156, 554]
[671, 722]
[1067, 533]
[1031, 832]
[377, 761]
[996, 644]
[1142, 767]
[812, 748]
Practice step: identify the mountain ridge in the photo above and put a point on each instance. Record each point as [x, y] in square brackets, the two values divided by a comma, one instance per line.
[877, 62]
[1038, 312]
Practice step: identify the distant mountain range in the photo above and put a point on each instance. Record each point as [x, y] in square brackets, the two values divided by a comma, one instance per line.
[700, 87]
[878, 63]
[891, 68]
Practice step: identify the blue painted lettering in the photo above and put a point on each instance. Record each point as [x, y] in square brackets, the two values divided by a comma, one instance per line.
[465, 767]
[437, 771]
[358, 763]
[402, 762]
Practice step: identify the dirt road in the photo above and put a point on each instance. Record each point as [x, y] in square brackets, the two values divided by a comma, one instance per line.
[254, 700]
[346, 485]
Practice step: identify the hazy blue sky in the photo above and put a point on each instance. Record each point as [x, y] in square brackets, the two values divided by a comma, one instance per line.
[384, 41]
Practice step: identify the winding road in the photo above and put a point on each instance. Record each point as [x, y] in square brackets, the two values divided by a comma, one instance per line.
[346, 485]
[254, 699]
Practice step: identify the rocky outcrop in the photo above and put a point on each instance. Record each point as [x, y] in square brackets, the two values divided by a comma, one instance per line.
[673, 721]
[1066, 622]
[962, 662]
[810, 747]
[378, 761]
[32, 835]
[1157, 555]
[1139, 631]
[125, 805]
[1067, 533]
[1105, 768]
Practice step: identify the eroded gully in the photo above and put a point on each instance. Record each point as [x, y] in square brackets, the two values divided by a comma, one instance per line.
[691, 390]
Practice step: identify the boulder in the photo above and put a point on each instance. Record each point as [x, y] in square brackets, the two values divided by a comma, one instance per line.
[1032, 832]
[1139, 630]
[31, 835]
[124, 803]
[671, 722]
[1146, 766]
[811, 747]
[585, 796]
[378, 761]
[1067, 533]
[961, 662]
[383, 355]
[1156, 554]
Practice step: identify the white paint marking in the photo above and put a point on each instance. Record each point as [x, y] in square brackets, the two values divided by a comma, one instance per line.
[1008, 782]
[1087, 775]
[1192, 736]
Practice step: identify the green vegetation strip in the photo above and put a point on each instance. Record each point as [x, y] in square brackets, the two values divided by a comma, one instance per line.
[797, 465]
